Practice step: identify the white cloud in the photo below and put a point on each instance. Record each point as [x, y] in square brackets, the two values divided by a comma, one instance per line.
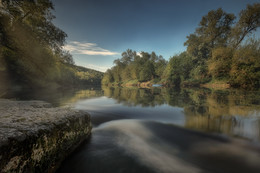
[85, 48]
[139, 54]
[99, 68]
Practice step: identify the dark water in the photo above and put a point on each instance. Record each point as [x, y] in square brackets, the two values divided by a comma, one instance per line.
[162, 130]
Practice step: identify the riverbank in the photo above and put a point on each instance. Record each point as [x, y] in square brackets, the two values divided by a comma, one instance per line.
[133, 83]
[185, 84]
[216, 85]
[35, 137]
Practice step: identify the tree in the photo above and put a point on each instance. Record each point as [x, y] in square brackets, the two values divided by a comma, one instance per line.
[143, 67]
[186, 65]
[31, 45]
[213, 31]
[249, 21]
[172, 72]
[36, 16]
[66, 57]
[215, 28]
[108, 77]
[147, 72]
[220, 63]
[245, 67]
[160, 66]
[128, 56]
[126, 73]
[178, 68]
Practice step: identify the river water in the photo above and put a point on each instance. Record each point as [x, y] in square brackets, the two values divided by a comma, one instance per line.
[162, 130]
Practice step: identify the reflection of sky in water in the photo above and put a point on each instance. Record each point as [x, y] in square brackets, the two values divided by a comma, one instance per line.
[138, 141]
[107, 106]
[200, 117]
[133, 130]
[146, 146]
[247, 127]
[231, 112]
[95, 103]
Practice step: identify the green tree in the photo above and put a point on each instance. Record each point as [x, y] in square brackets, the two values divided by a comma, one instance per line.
[37, 17]
[147, 72]
[245, 68]
[213, 31]
[172, 73]
[186, 65]
[220, 64]
[31, 46]
[128, 56]
[159, 66]
[249, 21]
[65, 57]
[108, 77]
[126, 73]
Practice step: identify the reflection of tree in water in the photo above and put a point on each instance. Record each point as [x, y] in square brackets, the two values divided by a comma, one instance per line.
[223, 111]
[135, 96]
[200, 101]
[230, 112]
[57, 97]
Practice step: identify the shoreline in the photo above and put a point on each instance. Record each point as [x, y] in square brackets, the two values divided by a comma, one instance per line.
[209, 85]
[149, 84]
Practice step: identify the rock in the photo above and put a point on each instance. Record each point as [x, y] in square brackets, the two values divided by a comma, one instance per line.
[35, 137]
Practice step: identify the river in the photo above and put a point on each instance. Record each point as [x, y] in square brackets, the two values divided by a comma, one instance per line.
[162, 130]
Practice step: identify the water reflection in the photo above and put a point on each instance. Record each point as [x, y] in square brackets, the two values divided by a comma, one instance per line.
[233, 112]
[57, 97]
[135, 96]
[134, 130]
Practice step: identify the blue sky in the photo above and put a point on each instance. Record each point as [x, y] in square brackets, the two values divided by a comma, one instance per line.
[100, 30]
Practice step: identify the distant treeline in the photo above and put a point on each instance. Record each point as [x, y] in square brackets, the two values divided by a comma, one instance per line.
[222, 49]
[31, 51]
[131, 66]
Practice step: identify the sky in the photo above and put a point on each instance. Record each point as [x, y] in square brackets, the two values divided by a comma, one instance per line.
[100, 30]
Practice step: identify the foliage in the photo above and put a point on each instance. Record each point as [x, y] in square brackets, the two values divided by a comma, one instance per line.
[131, 66]
[31, 47]
[213, 31]
[220, 49]
[178, 68]
[245, 68]
[220, 63]
[248, 22]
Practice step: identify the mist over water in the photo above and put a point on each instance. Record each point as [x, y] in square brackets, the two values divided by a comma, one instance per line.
[162, 130]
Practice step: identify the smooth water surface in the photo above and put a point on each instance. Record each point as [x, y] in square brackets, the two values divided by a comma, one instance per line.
[163, 130]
